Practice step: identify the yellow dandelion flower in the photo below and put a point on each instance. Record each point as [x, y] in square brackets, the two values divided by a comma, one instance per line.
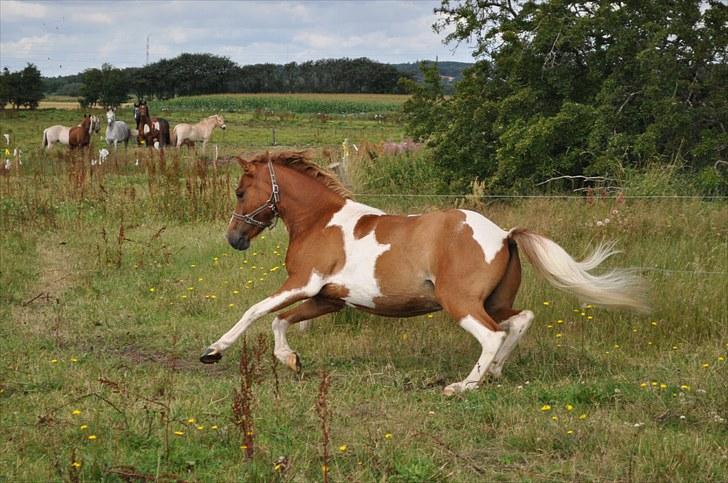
[685, 387]
[545, 408]
[191, 421]
[663, 386]
[569, 407]
[388, 436]
[721, 358]
[200, 279]
[193, 265]
[214, 426]
[429, 316]
[325, 468]
[654, 324]
[554, 418]
[643, 385]
[560, 321]
[92, 437]
[200, 427]
[243, 446]
[706, 365]
[546, 302]
[231, 305]
[249, 433]
[54, 361]
[589, 317]
[83, 427]
[559, 334]
[674, 347]
[589, 306]
[76, 464]
[179, 433]
[616, 346]
[76, 412]
[570, 431]
[582, 416]
[549, 326]
[152, 289]
[343, 448]
[190, 288]
[274, 269]
[235, 292]
[73, 359]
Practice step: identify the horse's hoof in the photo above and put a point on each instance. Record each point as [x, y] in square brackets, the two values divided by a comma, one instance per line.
[294, 362]
[210, 356]
[451, 390]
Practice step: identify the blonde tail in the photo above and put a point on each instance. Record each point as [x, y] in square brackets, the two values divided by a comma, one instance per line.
[173, 137]
[45, 138]
[616, 289]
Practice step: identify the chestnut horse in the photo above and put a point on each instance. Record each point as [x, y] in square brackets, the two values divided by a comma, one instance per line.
[80, 136]
[154, 131]
[344, 253]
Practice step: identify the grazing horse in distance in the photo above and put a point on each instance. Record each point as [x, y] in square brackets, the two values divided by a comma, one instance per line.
[116, 131]
[202, 131]
[343, 253]
[154, 131]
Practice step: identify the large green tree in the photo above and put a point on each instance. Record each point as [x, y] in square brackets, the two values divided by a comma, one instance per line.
[582, 87]
[22, 88]
[106, 86]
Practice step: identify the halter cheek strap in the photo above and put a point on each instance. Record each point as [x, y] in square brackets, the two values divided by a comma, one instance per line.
[271, 204]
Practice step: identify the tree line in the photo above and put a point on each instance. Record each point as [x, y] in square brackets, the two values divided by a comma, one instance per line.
[194, 74]
[579, 88]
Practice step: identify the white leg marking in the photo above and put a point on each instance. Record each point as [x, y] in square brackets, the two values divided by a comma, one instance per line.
[282, 350]
[515, 326]
[264, 307]
[490, 341]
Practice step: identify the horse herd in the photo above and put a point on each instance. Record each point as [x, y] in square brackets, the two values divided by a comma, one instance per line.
[150, 131]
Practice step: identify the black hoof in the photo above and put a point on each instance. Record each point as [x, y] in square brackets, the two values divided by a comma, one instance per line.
[210, 356]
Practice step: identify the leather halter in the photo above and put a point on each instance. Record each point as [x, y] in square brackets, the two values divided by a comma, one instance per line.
[272, 204]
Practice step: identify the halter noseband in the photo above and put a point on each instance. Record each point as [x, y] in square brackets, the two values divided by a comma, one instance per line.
[272, 204]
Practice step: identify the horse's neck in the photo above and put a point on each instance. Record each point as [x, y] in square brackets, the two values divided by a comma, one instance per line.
[305, 202]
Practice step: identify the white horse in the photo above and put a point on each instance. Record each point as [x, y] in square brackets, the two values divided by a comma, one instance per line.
[197, 132]
[55, 134]
[116, 131]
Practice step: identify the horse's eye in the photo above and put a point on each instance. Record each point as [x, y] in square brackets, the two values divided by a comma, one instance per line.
[240, 194]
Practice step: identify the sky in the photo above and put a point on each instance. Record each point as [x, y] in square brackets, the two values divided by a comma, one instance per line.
[67, 37]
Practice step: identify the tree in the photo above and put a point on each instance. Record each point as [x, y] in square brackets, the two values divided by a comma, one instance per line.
[21, 89]
[106, 86]
[582, 87]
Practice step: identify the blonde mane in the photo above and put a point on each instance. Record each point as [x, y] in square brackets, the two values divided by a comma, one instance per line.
[301, 162]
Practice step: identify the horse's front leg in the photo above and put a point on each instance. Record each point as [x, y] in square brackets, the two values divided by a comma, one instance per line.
[290, 293]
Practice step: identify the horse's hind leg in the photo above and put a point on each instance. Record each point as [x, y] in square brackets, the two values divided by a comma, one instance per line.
[310, 309]
[500, 304]
[481, 326]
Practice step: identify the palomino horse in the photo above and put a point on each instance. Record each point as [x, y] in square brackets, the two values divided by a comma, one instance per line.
[202, 131]
[116, 131]
[55, 134]
[153, 131]
[342, 253]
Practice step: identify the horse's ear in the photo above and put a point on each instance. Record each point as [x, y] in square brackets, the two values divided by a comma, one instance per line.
[246, 165]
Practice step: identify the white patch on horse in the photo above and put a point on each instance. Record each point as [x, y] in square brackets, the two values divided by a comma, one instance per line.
[146, 129]
[488, 235]
[490, 341]
[357, 274]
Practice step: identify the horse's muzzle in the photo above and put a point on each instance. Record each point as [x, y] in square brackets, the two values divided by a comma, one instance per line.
[238, 242]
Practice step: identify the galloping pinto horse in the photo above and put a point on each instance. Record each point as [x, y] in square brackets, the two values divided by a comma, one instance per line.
[151, 129]
[346, 253]
[202, 131]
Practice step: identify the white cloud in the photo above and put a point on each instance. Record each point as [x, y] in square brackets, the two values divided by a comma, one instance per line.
[12, 10]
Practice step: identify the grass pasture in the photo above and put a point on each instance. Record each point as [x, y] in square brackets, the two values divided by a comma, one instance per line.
[115, 277]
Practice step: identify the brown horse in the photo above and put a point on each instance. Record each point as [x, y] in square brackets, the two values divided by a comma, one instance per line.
[80, 136]
[343, 253]
[153, 131]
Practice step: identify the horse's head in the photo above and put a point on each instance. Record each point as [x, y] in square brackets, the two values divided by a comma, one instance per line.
[220, 121]
[257, 204]
[143, 110]
[110, 116]
[95, 125]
